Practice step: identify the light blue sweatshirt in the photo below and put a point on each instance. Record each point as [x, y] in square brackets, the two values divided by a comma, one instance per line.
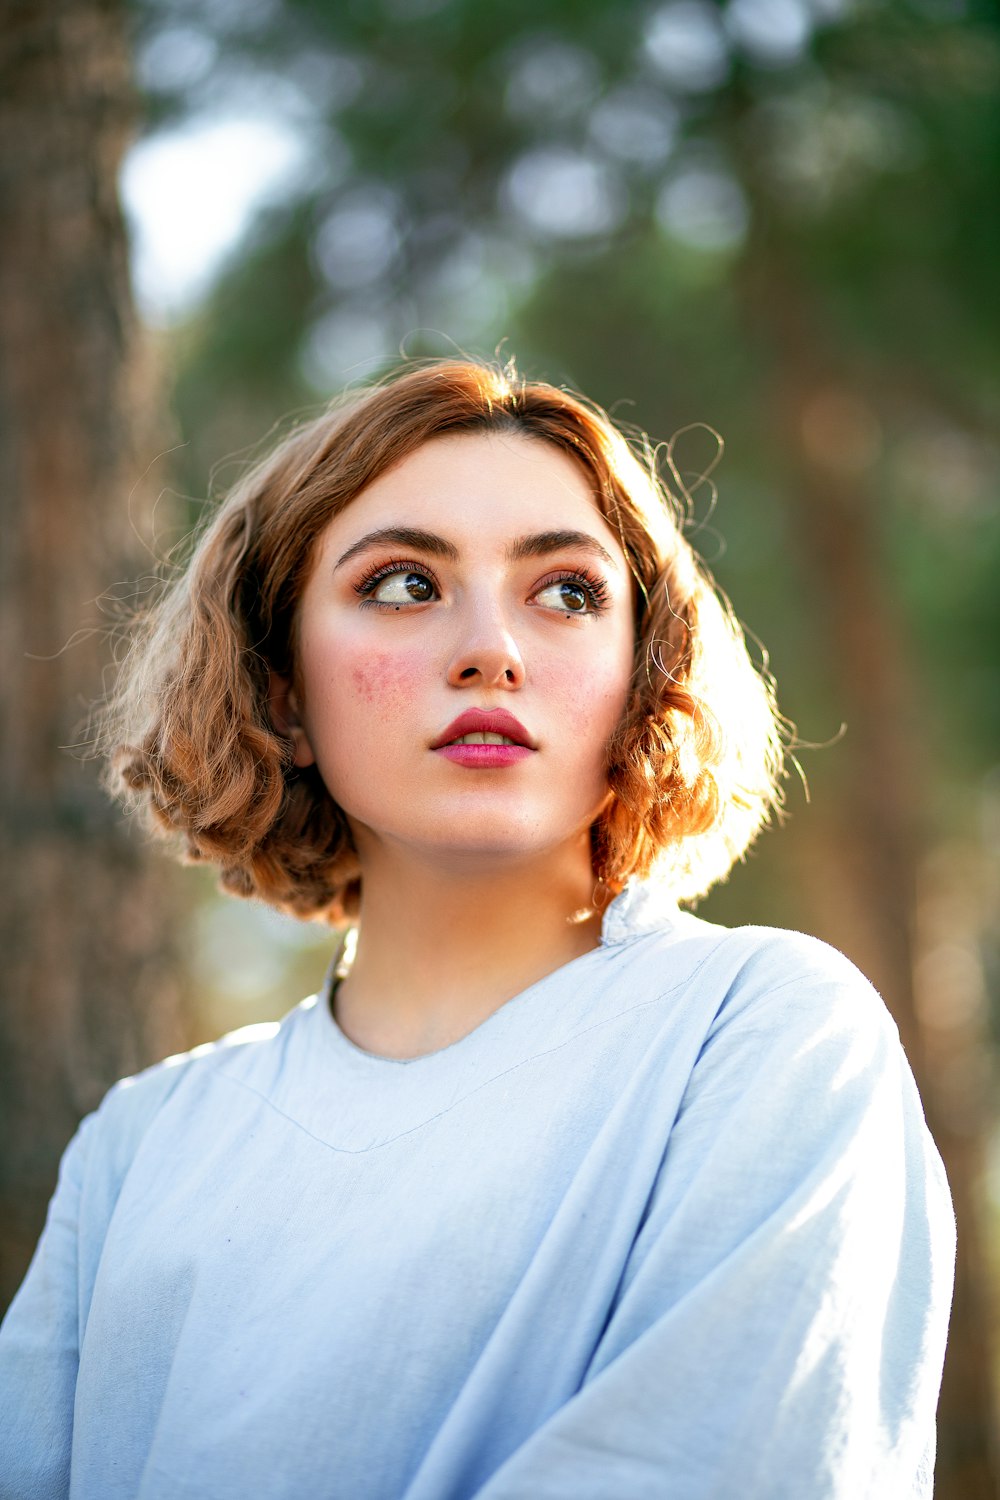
[668, 1226]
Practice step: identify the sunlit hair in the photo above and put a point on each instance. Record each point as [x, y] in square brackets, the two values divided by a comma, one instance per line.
[693, 767]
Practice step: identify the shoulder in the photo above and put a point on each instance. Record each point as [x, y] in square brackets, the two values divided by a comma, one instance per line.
[802, 1055]
[792, 974]
[644, 927]
[748, 979]
[806, 1001]
[798, 1062]
[114, 1132]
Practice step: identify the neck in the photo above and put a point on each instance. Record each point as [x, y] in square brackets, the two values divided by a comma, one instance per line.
[441, 948]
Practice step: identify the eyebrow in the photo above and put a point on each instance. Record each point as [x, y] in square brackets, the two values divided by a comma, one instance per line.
[537, 544]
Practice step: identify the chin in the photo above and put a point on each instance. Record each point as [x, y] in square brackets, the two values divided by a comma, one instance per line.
[500, 844]
[519, 832]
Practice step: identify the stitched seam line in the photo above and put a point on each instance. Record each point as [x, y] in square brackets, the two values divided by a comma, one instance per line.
[487, 1083]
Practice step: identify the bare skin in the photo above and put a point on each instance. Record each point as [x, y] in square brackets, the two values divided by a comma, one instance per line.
[474, 879]
[440, 950]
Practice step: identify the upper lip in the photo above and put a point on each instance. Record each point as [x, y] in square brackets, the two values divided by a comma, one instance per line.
[485, 721]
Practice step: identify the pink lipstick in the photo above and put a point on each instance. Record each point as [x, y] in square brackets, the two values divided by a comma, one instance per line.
[516, 743]
[485, 755]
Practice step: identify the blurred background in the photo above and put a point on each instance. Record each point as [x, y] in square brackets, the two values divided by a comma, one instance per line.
[771, 221]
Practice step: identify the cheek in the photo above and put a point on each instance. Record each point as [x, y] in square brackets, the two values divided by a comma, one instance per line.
[590, 695]
[382, 681]
[345, 676]
[351, 693]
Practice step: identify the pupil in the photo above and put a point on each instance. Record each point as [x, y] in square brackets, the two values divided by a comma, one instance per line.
[417, 587]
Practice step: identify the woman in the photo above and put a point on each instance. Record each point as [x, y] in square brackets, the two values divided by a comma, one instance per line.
[556, 1190]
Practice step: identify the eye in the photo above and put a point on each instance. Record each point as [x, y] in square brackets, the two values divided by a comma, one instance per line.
[403, 588]
[394, 585]
[564, 595]
[574, 593]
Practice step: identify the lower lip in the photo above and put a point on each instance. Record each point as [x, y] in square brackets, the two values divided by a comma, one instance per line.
[486, 757]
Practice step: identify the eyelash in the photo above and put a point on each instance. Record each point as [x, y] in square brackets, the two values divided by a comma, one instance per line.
[594, 586]
[373, 576]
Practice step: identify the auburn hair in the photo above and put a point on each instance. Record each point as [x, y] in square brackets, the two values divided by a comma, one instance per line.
[693, 767]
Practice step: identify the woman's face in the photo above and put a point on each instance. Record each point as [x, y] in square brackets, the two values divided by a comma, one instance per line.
[478, 575]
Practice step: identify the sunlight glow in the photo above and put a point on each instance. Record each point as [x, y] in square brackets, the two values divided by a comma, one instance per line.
[189, 195]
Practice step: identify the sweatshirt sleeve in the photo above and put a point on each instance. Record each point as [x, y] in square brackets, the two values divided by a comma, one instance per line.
[779, 1331]
[39, 1347]
[44, 1327]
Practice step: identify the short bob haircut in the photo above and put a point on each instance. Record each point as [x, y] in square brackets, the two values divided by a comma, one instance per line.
[694, 766]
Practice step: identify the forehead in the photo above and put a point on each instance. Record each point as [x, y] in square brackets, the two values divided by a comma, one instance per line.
[474, 487]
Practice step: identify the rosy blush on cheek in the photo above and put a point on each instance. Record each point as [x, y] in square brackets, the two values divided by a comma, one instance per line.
[387, 678]
[575, 696]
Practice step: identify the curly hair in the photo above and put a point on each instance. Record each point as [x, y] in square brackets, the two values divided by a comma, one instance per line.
[694, 766]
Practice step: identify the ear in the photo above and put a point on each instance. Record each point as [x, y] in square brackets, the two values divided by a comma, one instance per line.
[282, 702]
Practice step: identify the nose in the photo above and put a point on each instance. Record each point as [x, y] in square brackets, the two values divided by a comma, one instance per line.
[486, 651]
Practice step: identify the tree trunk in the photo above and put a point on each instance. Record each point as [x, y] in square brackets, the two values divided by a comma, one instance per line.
[868, 900]
[85, 922]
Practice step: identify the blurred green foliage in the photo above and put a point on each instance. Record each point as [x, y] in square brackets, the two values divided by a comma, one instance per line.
[769, 222]
[778, 218]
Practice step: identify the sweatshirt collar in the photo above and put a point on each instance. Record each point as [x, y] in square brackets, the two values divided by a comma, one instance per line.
[643, 906]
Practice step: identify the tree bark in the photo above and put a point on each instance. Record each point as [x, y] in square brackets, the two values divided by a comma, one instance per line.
[867, 894]
[85, 923]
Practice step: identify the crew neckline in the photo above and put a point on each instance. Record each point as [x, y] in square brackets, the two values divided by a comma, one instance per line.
[468, 1043]
[641, 907]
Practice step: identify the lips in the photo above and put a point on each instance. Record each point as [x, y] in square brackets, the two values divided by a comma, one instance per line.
[485, 721]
